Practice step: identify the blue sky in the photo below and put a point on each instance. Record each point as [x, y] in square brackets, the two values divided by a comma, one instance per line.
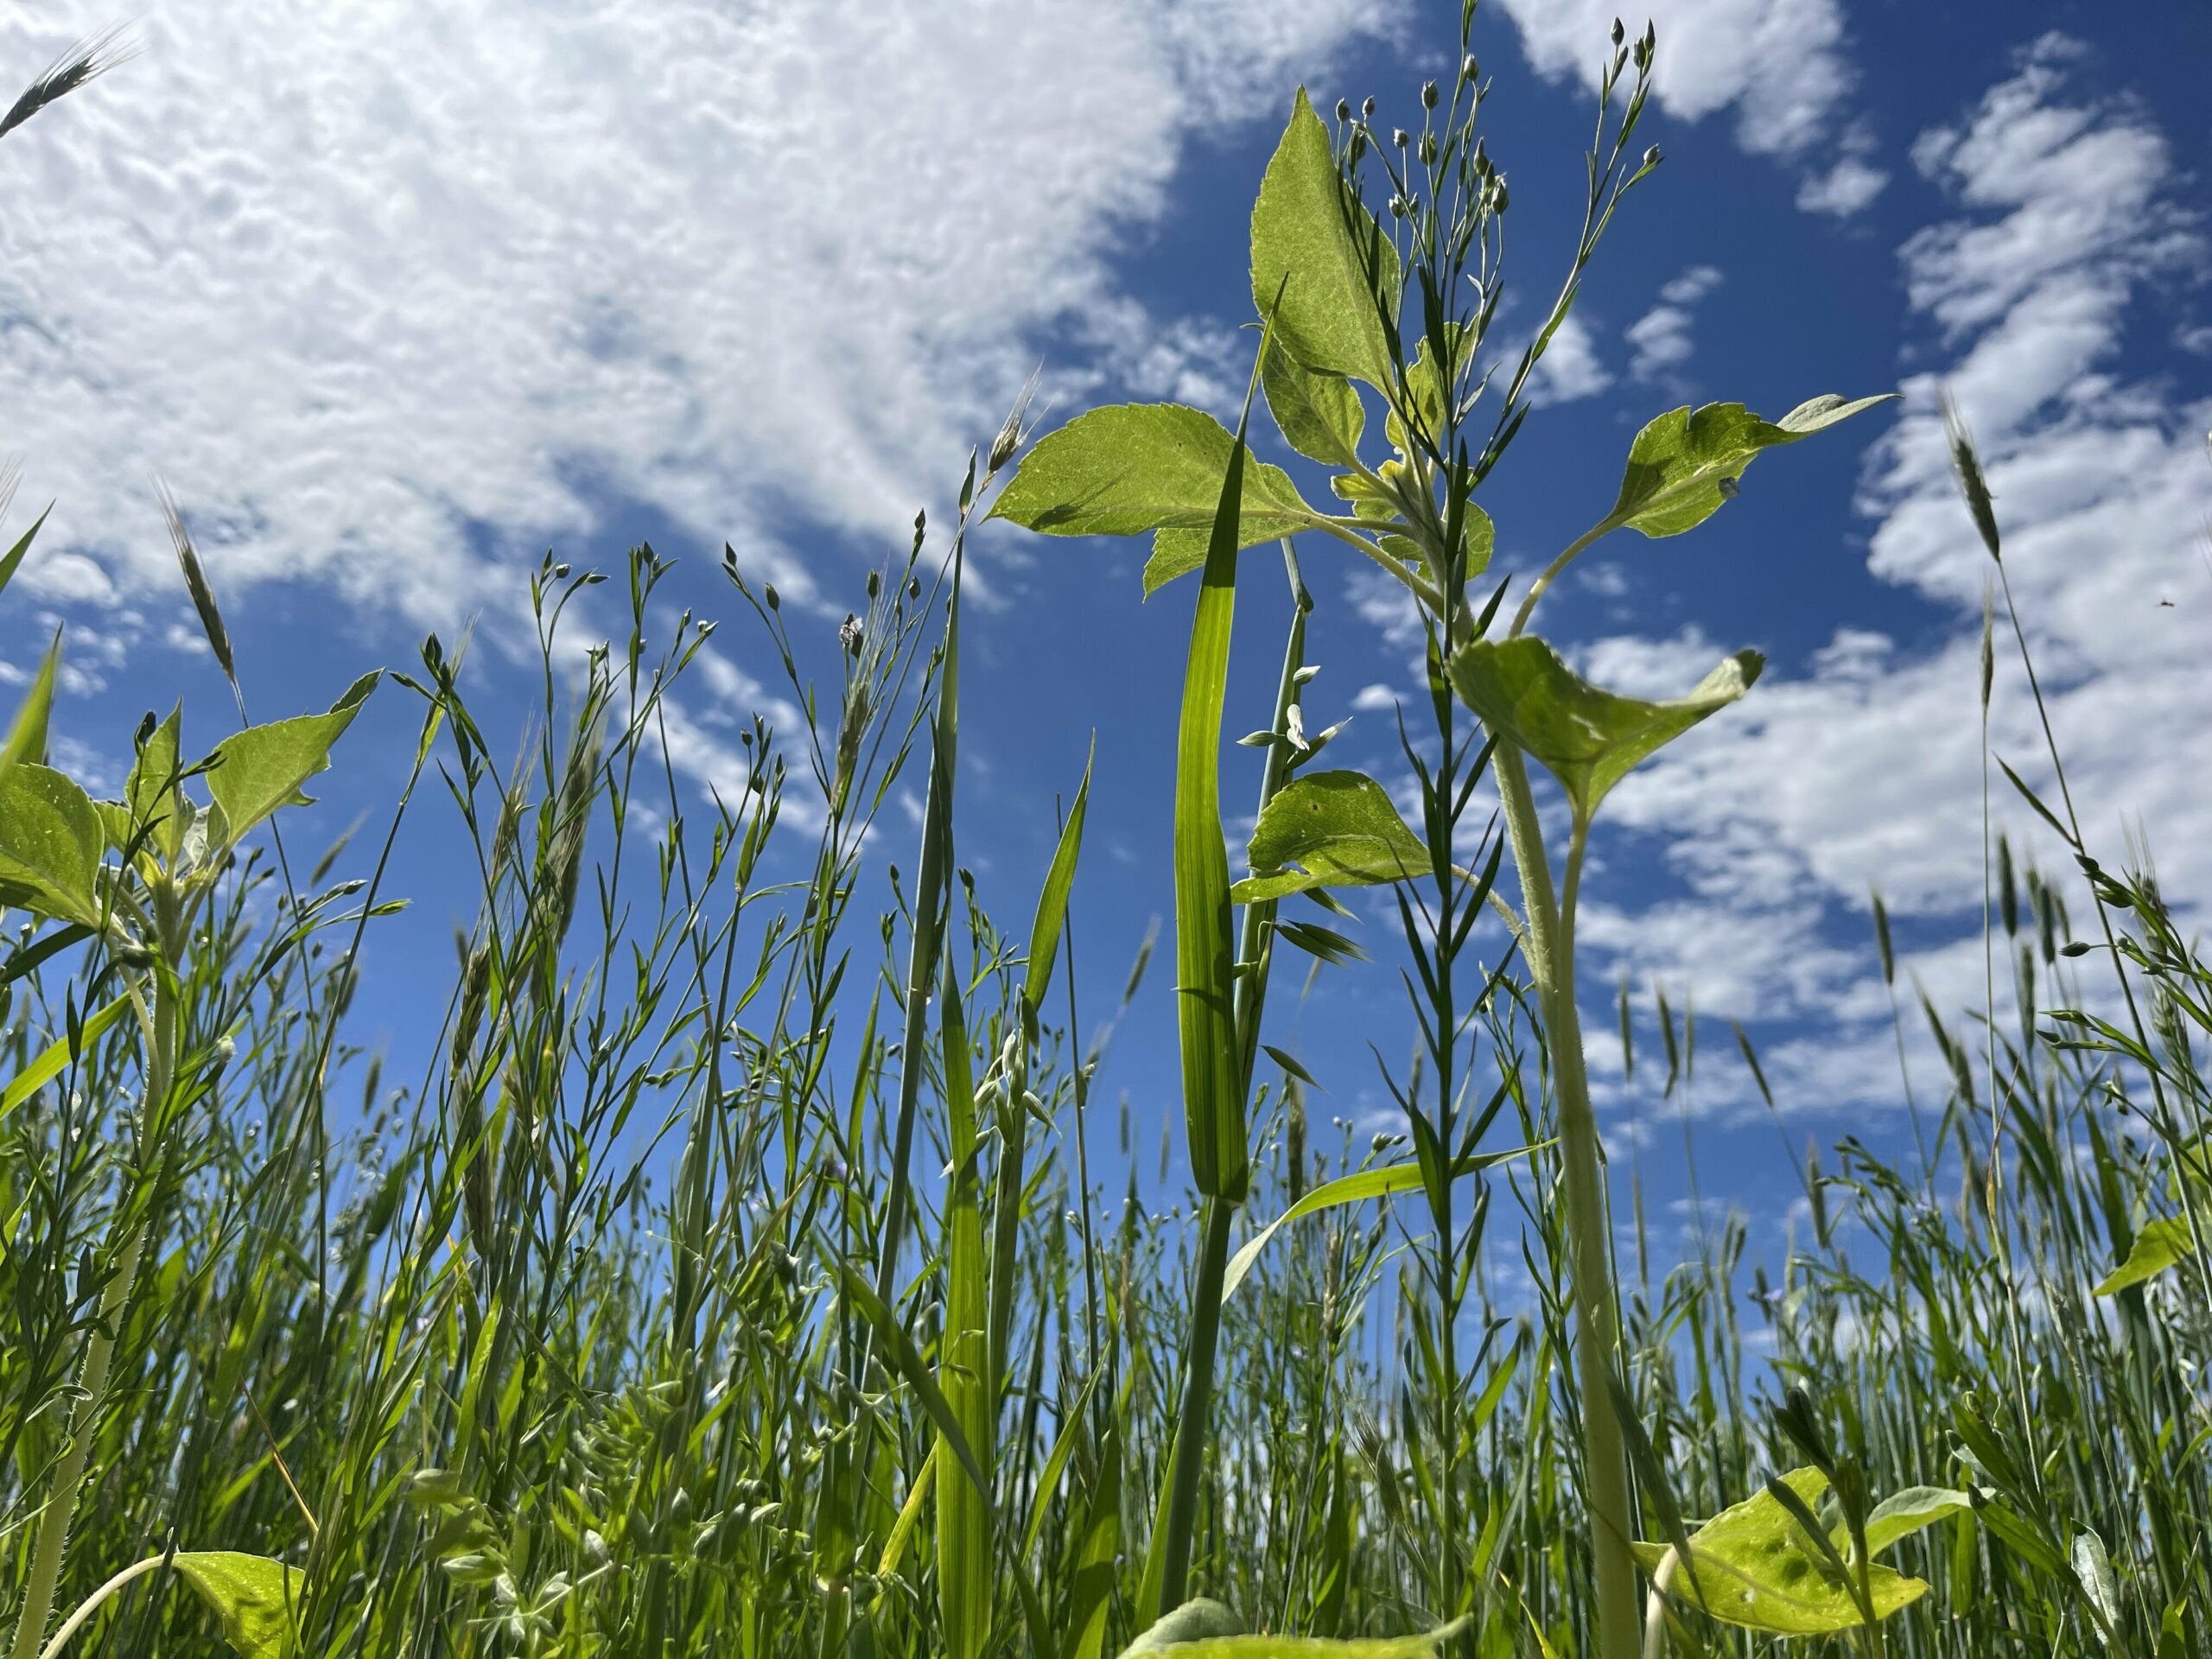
[397, 297]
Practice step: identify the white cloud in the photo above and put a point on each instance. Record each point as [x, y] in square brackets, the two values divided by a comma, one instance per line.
[1662, 336]
[1866, 767]
[1779, 64]
[1570, 367]
[1844, 189]
[378, 287]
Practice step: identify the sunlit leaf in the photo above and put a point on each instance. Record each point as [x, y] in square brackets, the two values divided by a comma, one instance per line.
[262, 768]
[1206, 1629]
[1319, 415]
[1588, 739]
[1133, 467]
[1904, 1513]
[1305, 228]
[1340, 827]
[26, 735]
[2158, 1246]
[1684, 464]
[50, 839]
[1756, 1569]
[255, 1597]
[56, 1056]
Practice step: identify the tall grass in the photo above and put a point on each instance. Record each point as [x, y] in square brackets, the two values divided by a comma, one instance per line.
[748, 1273]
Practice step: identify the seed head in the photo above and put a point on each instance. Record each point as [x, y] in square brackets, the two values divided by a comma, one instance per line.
[1398, 137]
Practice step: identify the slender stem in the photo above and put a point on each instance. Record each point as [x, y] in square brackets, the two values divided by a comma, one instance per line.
[1597, 1339]
[48, 1549]
[91, 1605]
[1572, 550]
[1189, 1454]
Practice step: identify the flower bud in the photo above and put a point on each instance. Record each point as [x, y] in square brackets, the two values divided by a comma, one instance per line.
[1429, 95]
[1651, 156]
[1469, 69]
[1429, 148]
[1620, 33]
[768, 592]
[1344, 109]
[1367, 109]
[1398, 137]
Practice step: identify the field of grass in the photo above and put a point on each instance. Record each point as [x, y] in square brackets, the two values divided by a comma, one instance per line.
[738, 1281]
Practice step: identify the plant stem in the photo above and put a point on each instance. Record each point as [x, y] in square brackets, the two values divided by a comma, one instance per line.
[1550, 951]
[1189, 1454]
[75, 1621]
[48, 1549]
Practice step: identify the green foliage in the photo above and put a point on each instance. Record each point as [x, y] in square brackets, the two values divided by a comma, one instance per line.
[1133, 467]
[50, 844]
[1315, 244]
[257, 1599]
[1340, 827]
[1587, 738]
[1684, 464]
[2158, 1245]
[1754, 1566]
[261, 769]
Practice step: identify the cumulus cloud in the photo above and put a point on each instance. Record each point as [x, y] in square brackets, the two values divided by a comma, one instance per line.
[1570, 367]
[388, 292]
[1662, 336]
[1865, 768]
[1780, 65]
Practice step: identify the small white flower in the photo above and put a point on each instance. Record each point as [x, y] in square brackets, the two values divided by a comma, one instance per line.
[1294, 728]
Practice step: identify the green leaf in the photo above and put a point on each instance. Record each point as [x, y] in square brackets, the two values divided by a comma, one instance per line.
[1053, 902]
[1319, 415]
[255, 1597]
[2093, 1571]
[56, 1058]
[1308, 228]
[1683, 465]
[1588, 739]
[150, 794]
[1385, 1182]
[1425, 382]
[50, 839]
[26, 739]
[1904, 1513]
[1206, 1629]
[1131, 467]
[262, 768]
[2157, 1247]
[1756, 1569]
[14, 556]
[1341, 827]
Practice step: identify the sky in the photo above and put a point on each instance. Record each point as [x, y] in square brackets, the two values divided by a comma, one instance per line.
[396, 297]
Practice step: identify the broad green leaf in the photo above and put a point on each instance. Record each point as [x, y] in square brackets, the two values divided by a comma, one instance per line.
[2158, 1246]
[56, 1056]
[255, 1597]
[1425, 382]
[1307, 229]
[1319, 414]
[262, 768]
[1588, 739]
[1904, 1513]
[150, 794]
[1385, 1182]
[1755, 1568]
[1131, 467]
[1212, 1632]
[50, 839]
[25, 738]
[1684, 464]
[1341, 827]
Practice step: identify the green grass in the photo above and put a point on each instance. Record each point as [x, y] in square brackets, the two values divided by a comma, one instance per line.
[746, 1273]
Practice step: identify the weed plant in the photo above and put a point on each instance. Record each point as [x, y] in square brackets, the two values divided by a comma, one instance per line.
[745, 1276]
